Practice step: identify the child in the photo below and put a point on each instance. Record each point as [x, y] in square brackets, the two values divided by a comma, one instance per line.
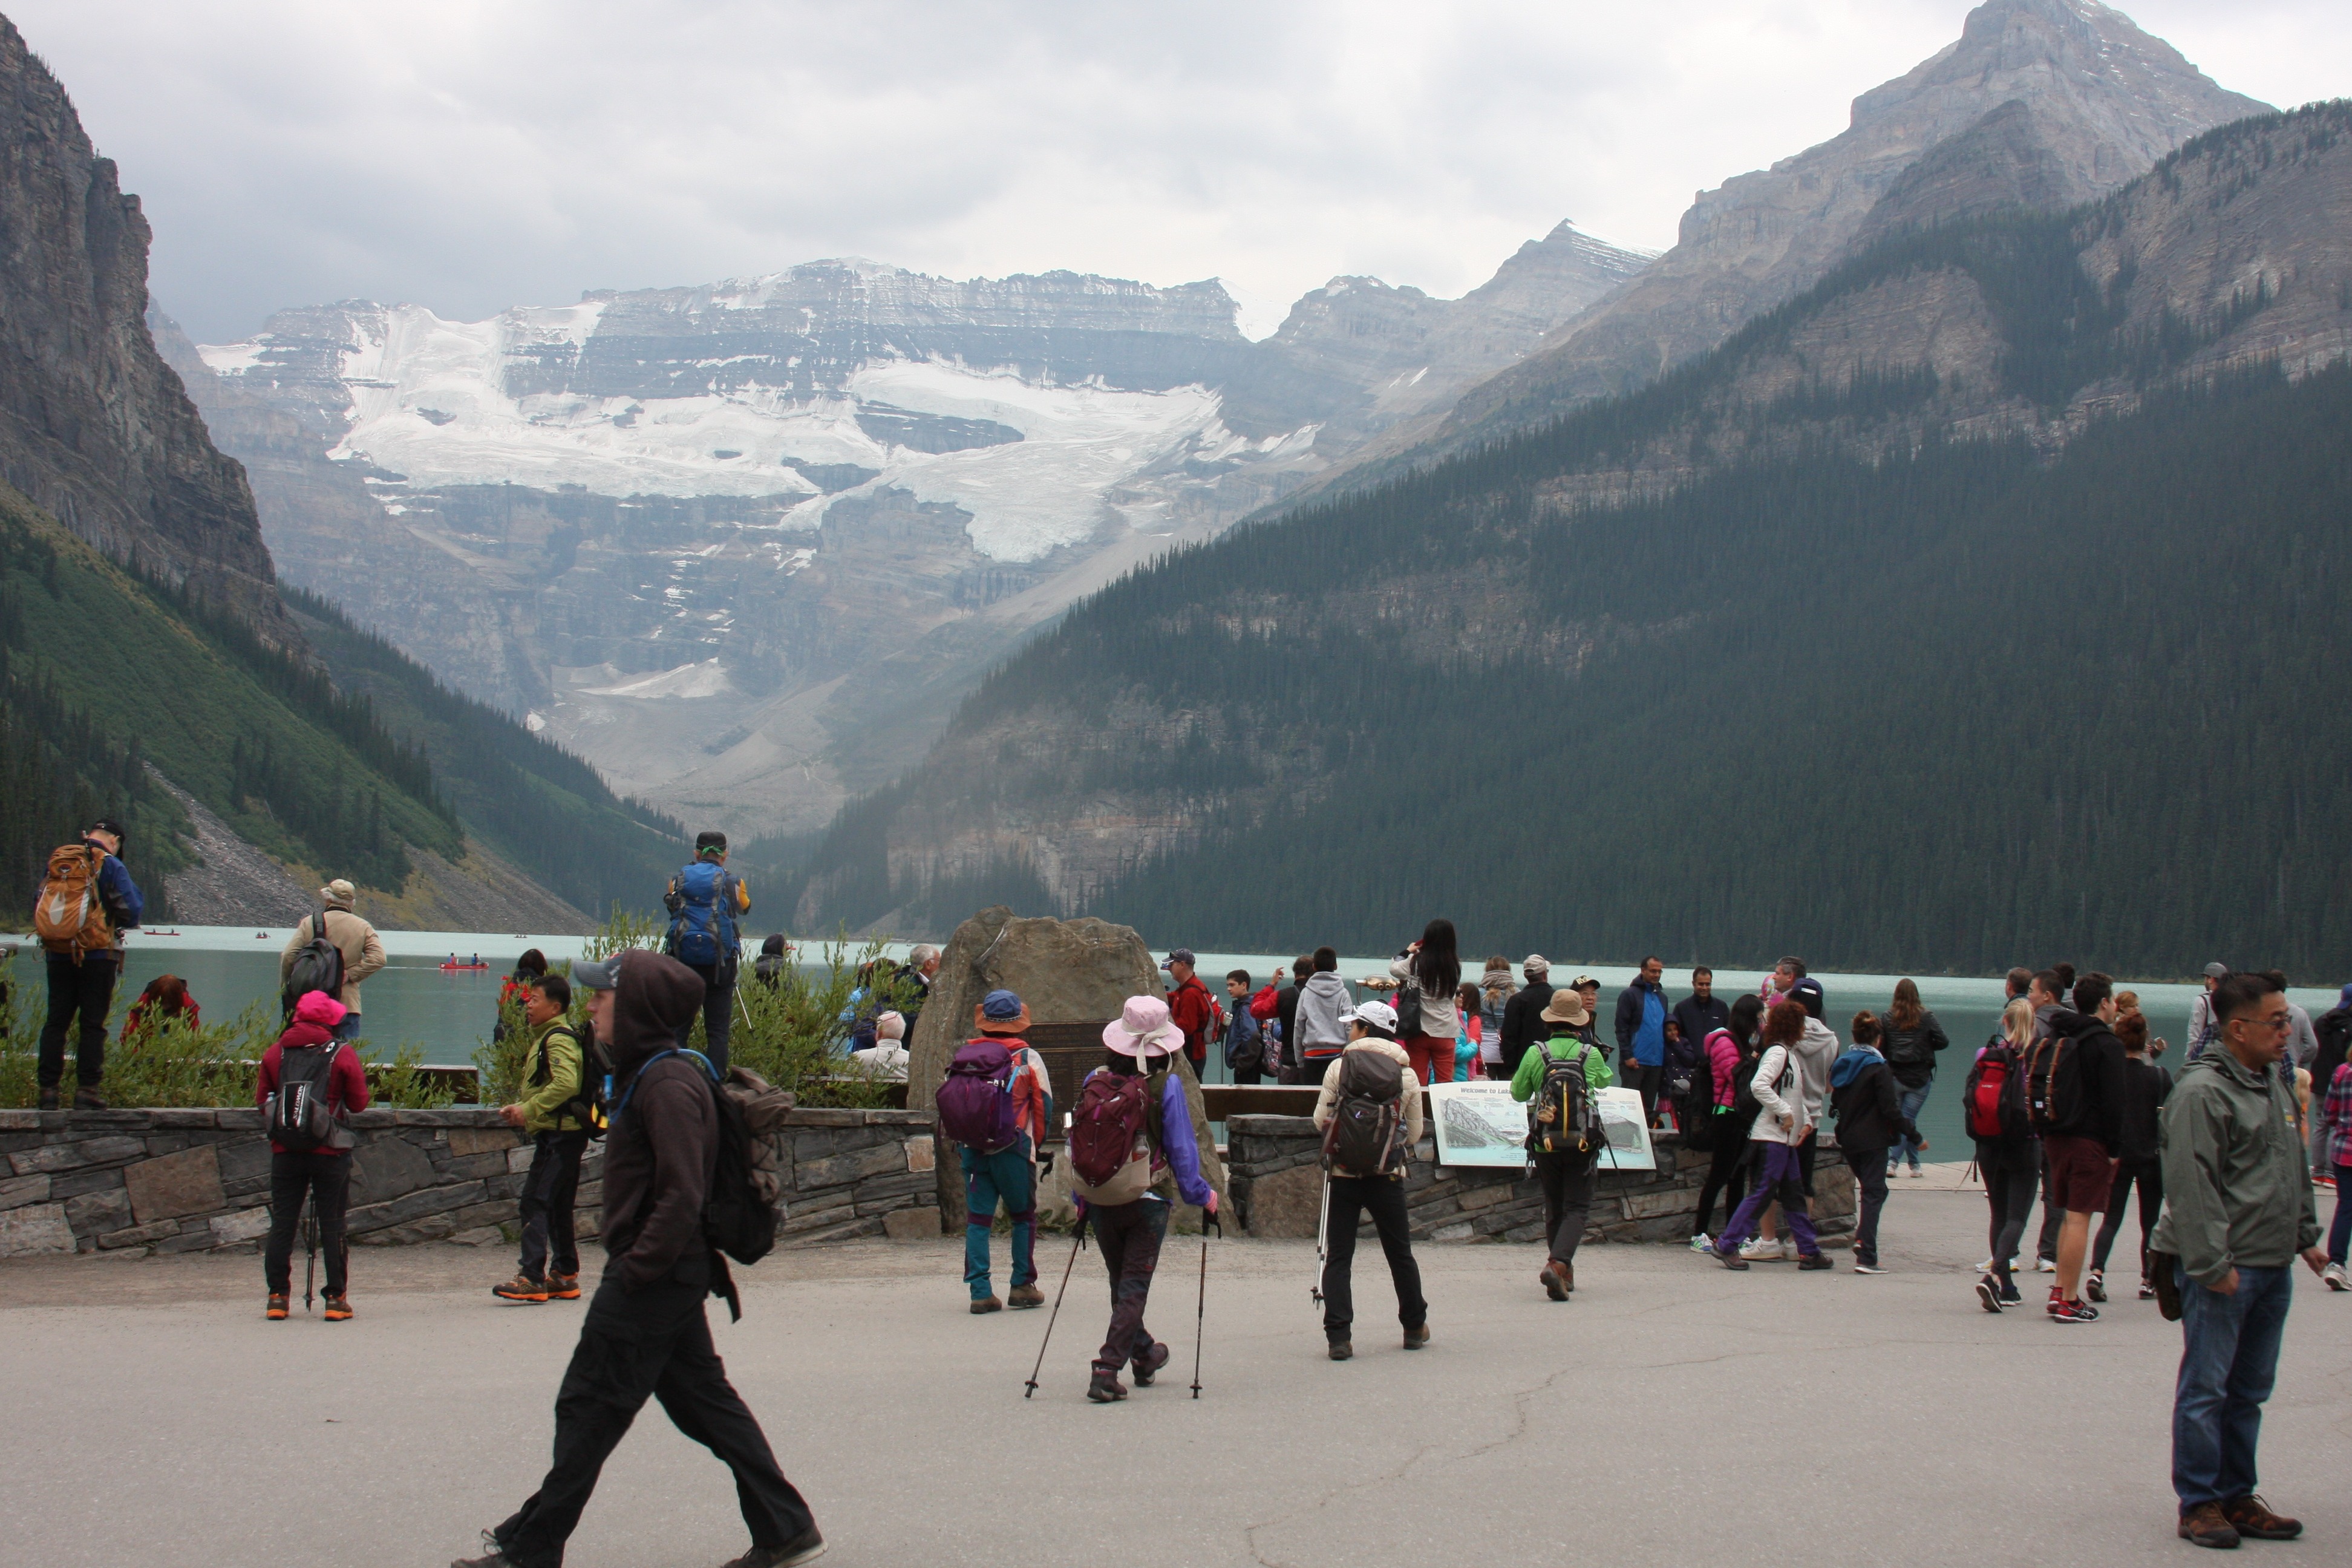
[1469, 1034]
[1863, 1094]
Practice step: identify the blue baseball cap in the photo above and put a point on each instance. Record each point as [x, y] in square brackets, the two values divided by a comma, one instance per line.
[1000, 1005]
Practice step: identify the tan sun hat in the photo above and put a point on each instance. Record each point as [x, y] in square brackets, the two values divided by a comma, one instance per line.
[1567, 1006]
[339, 893]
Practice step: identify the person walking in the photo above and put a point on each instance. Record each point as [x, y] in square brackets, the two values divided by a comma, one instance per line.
[1323, 1006]
[707, 903]
[354, 938]
[87, 901]
[554, 1114]
[2238, 1211]
[1429, 980]
[1385, 1087]
[1642, 1033]
[2008, 1158]
[1565, 1172]
[2334, 1121]
[2074, 1088]
[1815, 1052]
[1782, 1125]
[1190, 1006]
[1910, 1039]
[1870, 1122]
[1732, 1053]
[1005, 1176]
[646, 1334]
[1523, 1023]
[320, 1170]
[2144, 1089]
[1244, 1049]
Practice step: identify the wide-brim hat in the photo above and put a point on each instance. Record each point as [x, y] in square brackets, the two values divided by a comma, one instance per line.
[1565, 1006]
[339, 892]
[1142, 1029]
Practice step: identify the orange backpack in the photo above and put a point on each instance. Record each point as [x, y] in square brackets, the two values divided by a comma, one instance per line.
[70, 918]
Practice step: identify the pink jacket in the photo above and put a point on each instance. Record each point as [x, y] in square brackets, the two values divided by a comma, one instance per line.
[1723, 1060]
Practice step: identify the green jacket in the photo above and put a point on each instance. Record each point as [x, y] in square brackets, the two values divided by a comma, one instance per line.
[2237, 1189]
[1529, 1078]
[543, 1098]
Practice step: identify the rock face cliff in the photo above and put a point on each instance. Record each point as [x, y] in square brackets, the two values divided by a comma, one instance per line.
[93, 425]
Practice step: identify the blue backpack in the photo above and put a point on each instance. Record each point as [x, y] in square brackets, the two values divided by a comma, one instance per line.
[702, 916]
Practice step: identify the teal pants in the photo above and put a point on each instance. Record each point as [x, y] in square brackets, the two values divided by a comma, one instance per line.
[1008, 1177]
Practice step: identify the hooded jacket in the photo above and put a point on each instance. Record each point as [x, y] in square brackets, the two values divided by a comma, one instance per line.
[2098, 1111]
[1869, 1111]
[1323, 1009]
[315, 1018]
[2237, 1191]
[1808, 1065]
[663, 1150]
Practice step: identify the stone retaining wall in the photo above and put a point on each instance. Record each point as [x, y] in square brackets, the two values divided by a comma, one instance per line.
[1277, 1186]
[198, 1181]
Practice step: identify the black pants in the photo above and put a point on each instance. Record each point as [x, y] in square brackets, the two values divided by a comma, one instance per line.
[1567, 1200]
[1348, 1200]
[547, 1199]
[1130, 1236]
[87, 988]
[1252, 1073]
[326, 1180]
[1648, 1081]
[2009, 1172]
[2052, 1214]
[1869, 1167]
[2149, 1175]
[1727, 1173]
[654, 1341]
[718, 1014]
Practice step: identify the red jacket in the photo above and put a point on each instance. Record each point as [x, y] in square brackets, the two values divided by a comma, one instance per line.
[1191, 1009]
[347, 1089]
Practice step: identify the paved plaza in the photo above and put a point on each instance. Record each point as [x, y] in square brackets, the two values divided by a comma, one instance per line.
[1672, 1413]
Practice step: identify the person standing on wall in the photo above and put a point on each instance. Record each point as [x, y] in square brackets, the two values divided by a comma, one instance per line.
[355, 939]
[1523, 1023]
[706, 903]
[1428, 976]
[1909, 1038]
[1191, 1007]
[87, 901]
[555, 1114]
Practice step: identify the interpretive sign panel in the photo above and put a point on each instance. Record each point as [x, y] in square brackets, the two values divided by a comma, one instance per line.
[1478, 1123]
[1628, 1131]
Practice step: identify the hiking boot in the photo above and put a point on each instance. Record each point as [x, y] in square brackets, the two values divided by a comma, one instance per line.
[2206, 1525]
[1812, 1261]
[1735, 1261]
[48, 1099]
[2249, 1515]
[2094, 1285]
[1417, 1338]
[1025, 1296]
[563, 1286]
[1341, 1350]
[522, 1288]
[86, 1100]
[339, 1309]
[1148, 1364]
[276, 1309]
[2333, 1276]
[1989, 1292]
[1106, 1386]
[806, 1547]
[2072, 1313]
[986, 1304]
[493, 1555]
[1554, 1285]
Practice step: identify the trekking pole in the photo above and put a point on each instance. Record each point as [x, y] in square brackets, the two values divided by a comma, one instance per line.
[310, 1245]
[1322, 1225]
[1201, 1317]
[1031, 1388]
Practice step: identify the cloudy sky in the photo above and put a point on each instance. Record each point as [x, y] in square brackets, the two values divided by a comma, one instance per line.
[471, 154]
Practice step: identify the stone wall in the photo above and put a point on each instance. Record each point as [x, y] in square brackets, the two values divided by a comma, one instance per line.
[198, 1181]
[1278, 1181]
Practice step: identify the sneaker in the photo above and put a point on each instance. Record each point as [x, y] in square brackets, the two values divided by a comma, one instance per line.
[1417, 1337]
[2072, 1313]
[1106, 1388]
[522, 1288]
[1341, 1350]
[1868, 1268]
[86, 1100]
[807, 1547]
[986, 1304]
[2205, 1525]
[48, 1099]
[2045, 1265]
[339, 1309]
[1025, 1296]
[1919, 1170]
[1735, 1262]
[1148, 1364]
[1702, 1242]
[276, 1309]
[2094, 1285]
[2011, 1295]
[1812, 1261]
[1788, 1250]
[1756, 1249]
[493, 1555]
[2249, 1515]
[2333, 1276]
[1989, 1292]
[1554, 1286]
[2147, 1290]
[563, 1286]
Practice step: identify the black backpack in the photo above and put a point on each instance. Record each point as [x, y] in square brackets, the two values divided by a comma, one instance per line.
[1408, 1008]
[298, 1117]
[589, 1107]
[318, 966]
[1573, 1126]
[739, 1213]
[1745, 1106]
[2053, 1082]
[1363, 1136]
[2334, 1029]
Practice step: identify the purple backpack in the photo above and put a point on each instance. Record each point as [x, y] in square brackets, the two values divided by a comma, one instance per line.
[975, 1099]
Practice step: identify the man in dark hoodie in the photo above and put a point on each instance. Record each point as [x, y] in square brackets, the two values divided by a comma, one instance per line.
[646, 1333]
[1869, 1118]
[2074, 1097]
[1523, 1023]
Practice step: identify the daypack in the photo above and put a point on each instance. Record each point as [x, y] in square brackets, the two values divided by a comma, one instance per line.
[2053, 1081]
[1365, 1134]
[1573, 1124]
[2334, 1030]
[318, 966]
[70, 916]
[298, 1117]
[975, 1099]
[588, 1106]
[1269, 1034]
[740, 1211]
[702, 916]
[1992, 1095]
[1744, 1107]
[1111, 1137]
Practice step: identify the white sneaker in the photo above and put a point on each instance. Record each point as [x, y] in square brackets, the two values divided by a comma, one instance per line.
[1788, 1250]
[2045, 1265]
[1919, 1170]
[1756, 1249]
[1700, 1243]
[2335, 1278]
[1986, 1267]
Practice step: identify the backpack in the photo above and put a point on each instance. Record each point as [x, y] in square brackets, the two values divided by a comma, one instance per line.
[588, 1107]
[70, 916]
[1573, 1126]
[1111, 1137]
[1269, 1035]
[2334, 1029]
[1368, 1118]
[1992, 1097]
[2053, 1082]
[297, 1118]
[740, 1211]
[318, 966]
[702, 916]
[975, 1099]
[1744, 1107]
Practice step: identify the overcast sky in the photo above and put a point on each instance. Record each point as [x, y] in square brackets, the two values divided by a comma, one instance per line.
[472, 154]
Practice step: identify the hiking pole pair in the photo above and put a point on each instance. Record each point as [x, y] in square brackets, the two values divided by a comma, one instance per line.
[1031, 1388]
[1201, 1317]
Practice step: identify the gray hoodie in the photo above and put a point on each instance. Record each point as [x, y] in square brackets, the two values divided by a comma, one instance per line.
[1323, 1008]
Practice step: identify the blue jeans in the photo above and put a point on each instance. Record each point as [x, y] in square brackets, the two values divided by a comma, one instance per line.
[2229, 1359]
[2339, 1229]
[1910, 1100]
[1008, 1177]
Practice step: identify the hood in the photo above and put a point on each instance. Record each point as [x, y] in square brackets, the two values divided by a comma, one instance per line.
[653, 996]
[1848, 1067]
[1389, 1048]
[1325, 983]
[773, 946]
[319, 1008]
[2066, 1020]
[1817, 1041]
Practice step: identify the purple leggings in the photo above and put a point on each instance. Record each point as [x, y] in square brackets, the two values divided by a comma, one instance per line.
[1782, 1178]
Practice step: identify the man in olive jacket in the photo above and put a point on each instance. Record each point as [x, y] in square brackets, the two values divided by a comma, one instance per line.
[2238, 1211]
[553, 1114]
[646, 1333]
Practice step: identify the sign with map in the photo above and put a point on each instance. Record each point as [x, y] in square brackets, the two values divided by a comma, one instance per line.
[1478, 1123]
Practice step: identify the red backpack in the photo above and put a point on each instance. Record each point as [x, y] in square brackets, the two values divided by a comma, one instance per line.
[1990, 1098]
